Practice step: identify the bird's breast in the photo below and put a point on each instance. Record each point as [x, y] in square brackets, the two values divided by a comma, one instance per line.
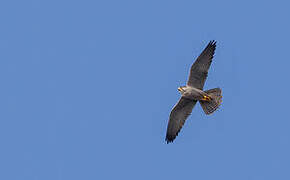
[194, 94]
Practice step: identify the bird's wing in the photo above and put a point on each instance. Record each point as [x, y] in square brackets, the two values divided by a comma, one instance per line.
[178, 116]
[199, 69]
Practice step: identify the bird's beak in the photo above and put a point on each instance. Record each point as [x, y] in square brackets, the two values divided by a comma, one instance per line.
[179, 89]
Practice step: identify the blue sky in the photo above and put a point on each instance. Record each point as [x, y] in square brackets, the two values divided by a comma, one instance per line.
[87, 88]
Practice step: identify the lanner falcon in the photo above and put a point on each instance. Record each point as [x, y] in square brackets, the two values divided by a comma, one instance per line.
[193, 92]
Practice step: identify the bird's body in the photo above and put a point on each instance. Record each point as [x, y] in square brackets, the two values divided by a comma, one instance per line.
[193, 92]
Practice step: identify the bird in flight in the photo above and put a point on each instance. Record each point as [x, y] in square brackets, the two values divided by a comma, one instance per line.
[209, 100]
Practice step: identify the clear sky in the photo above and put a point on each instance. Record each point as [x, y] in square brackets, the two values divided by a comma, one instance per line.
[87, 88]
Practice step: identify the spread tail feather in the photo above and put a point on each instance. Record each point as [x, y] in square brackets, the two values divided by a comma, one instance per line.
[216, 99]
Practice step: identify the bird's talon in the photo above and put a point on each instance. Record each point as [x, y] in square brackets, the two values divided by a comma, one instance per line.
[206, 98]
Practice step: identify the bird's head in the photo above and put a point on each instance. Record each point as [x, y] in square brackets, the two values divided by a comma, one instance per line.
[181, 89]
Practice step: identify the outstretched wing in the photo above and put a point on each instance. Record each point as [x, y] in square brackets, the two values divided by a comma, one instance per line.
[178, 115]
[199, 69]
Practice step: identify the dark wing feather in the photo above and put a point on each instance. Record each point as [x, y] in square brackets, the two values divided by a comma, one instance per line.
[178, 115]
[199, 69]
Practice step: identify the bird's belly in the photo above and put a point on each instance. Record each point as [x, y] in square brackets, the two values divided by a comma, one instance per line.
[194, 95]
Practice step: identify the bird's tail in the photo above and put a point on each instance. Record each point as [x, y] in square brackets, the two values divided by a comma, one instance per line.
[215, 101]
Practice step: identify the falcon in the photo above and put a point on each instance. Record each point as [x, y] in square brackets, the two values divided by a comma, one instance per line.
[209, 100]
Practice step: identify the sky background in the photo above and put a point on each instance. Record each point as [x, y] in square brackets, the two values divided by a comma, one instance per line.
[87, 88]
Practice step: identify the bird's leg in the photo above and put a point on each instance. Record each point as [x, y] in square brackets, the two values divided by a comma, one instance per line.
[206, 98]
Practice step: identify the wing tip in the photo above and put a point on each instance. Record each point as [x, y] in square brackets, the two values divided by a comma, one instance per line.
[212, 43]
[211, 47]
[169, 140]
